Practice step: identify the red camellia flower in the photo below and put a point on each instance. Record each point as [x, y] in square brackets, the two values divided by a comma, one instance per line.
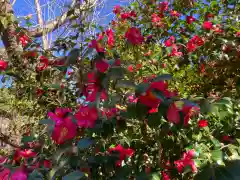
[117, 9]
[24, 40]
[202, 123]
[207, 25]
[187, 160]
[102, 66]
[43, 64]
[170, 41]
[130, 68]
[3, 65]
[96, 45]
[163, 6]
[110, 36]
[125, 15]
[190, 19]
[188, 110]
[174, 13]
[100, 36]
[133, 35]
[175, 51]
[64, 128]
[123, 153]
[194, 43]
[27, 153]
[86, 117]
[47, 164]
[149, 99]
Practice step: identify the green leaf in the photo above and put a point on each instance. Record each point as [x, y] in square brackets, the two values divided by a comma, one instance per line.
[47, 121]
[125, 84]
[84, 143]
[217, 155]
[163, 77]
[35, 175]
[73, 57]
[26, 139]
[142, 87]
[75, 175]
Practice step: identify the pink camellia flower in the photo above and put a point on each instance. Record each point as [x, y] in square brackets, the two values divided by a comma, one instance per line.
[165, 176]
[130, 68]
[110, 36]
[123, 153]
[3, 65]
[4, 174]
[102, 66]
[175, 51]
[27, 153]
[132, 99]
[134, 36]
[64, 129]
[174, 13]
[117, 9]
[19, 174]
[100, 36]
[190, 19]
[187, 160]
[238, 34]
[163, 6]
[86, 117]
[202, 123]
[155, 18]
[170, 41]
[92, 95]
[207, 25]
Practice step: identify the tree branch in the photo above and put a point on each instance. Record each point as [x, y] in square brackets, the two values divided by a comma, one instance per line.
[40, 22]
[61, 20]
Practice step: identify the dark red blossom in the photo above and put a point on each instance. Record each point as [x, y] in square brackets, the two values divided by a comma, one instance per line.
[102, 66]
[190, 19]
[163, 6]
[134, 36]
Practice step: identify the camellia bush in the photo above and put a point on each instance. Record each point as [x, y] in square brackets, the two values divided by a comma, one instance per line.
[142, 111]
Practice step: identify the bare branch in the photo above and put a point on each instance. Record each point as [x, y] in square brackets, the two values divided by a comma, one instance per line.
[40, 22]
[61, 20]
[14, 1]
